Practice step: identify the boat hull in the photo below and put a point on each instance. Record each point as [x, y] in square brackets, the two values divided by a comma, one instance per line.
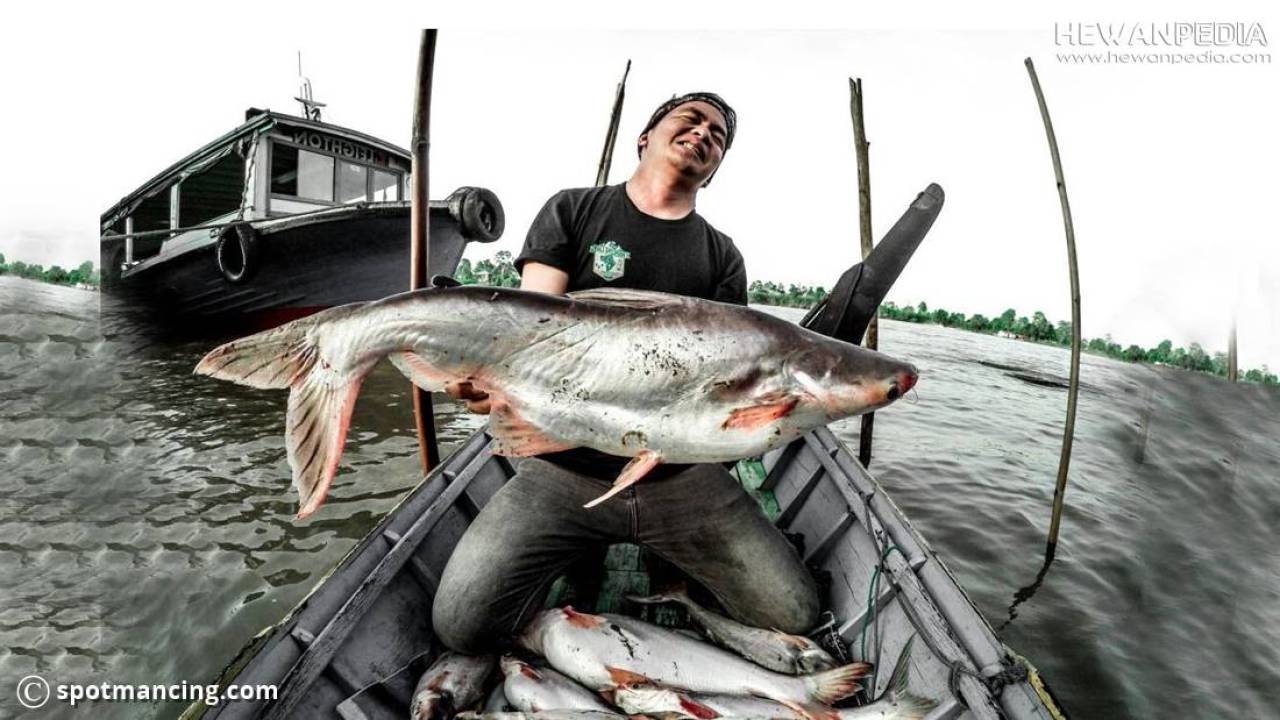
[297, 266]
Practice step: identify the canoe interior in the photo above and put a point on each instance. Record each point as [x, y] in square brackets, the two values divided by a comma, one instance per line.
[356, 646]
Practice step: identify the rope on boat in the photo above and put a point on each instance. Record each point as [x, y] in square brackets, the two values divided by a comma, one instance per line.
[1012, 671]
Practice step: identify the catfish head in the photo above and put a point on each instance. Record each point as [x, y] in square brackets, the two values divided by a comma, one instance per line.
[844, 379]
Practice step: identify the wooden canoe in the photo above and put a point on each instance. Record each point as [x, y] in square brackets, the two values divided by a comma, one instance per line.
[355, 647]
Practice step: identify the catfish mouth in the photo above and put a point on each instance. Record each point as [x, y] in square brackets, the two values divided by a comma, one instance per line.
[899, 384]
[902, 382]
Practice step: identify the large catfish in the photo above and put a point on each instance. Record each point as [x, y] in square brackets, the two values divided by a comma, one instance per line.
[650, 376]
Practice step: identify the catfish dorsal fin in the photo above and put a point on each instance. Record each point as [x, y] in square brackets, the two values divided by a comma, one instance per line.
[628, 298]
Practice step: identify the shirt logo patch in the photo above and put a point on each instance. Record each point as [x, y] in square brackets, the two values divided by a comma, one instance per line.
[610, 260]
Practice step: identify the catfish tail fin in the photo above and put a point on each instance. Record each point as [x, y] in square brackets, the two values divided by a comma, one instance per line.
[320, 399]
[832, 685]
[272, 359]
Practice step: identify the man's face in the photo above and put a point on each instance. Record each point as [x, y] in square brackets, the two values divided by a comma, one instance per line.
[691, 137]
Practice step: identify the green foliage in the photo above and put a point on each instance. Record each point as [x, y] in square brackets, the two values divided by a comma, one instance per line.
[464, 274]
[84, 274]
[771, 293]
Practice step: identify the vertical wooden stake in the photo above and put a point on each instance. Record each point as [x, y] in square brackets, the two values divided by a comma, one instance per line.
[861, 147]
[1233, 365]
[1068, 433]
[606, 156]
[420, 235]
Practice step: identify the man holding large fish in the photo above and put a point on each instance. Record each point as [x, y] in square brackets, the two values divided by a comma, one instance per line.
[597, 391]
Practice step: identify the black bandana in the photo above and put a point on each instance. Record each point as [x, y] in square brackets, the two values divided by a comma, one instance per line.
[715, 101]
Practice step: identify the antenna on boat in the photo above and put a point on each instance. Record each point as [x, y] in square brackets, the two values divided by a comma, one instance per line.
[310, 106]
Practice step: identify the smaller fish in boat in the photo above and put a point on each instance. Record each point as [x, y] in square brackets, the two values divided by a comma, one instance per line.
[897, 702]
[605, 652]
[773, 649]
[544, 715]
[453, 682]
[661, 701]
[531, 689]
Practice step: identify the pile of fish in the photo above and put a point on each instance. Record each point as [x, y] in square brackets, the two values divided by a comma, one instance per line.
[583, 667]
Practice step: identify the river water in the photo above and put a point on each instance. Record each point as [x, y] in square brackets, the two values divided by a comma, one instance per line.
[146, 527]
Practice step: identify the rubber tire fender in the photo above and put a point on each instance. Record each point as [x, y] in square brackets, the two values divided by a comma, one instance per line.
[478, 213]
[237, 238]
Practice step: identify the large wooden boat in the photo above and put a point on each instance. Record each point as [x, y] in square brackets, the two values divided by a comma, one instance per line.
[278, 218]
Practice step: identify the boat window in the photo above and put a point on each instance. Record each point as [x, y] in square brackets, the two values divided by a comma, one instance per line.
[386, 186]
[215, 192]
[353, 182]
[152, 213]
[300, 173]
[315, 176]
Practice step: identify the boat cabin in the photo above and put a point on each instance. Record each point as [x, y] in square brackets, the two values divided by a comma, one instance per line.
[273, 165]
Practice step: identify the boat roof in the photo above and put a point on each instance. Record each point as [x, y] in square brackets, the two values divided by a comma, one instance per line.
[256, 121]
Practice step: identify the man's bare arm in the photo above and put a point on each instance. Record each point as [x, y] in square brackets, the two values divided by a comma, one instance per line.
[543, 278]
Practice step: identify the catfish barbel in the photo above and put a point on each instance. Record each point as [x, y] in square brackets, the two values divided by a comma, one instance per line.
[650, 376]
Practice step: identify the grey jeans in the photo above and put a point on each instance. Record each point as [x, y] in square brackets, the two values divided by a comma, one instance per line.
[534, 527]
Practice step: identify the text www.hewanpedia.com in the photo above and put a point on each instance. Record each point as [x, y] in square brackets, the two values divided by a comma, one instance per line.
[1164, 58]
[34, 692]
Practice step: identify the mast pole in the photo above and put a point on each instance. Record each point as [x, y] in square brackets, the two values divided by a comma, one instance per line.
[420, 235]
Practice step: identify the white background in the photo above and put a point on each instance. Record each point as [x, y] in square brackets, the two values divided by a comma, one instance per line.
[1171, 169]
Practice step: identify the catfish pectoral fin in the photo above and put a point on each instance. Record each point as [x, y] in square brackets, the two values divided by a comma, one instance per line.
[754, 417]
[635, 470]
[419, 371]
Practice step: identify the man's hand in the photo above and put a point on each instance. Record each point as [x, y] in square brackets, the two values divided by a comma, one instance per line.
[477, 402]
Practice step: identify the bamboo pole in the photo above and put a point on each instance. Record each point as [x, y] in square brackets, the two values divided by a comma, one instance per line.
[420, 234]
[606, 155]
[1233, 365]
[861, 148]
[1068, 433]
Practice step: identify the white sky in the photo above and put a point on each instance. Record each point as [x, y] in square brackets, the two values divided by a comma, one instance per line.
[1170, 168]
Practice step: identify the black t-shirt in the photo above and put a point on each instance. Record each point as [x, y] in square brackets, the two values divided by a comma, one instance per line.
[601, 239]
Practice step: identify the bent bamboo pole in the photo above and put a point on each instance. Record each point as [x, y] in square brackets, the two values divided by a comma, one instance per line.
[1064, 460]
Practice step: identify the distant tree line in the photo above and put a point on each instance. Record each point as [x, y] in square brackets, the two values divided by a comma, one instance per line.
[771, 293]
[1037, 328]
[85, 274]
